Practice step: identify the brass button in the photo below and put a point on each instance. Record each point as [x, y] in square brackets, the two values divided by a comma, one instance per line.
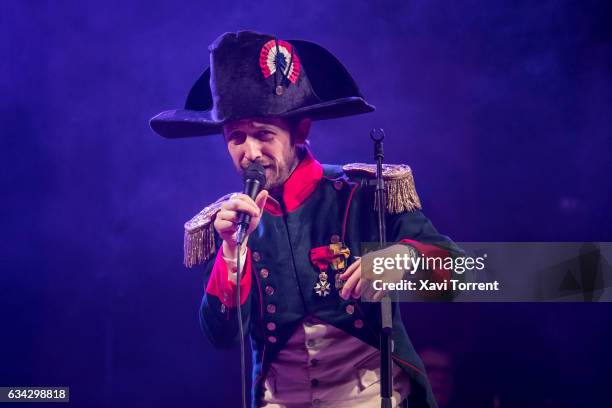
[338, 184]
[223, 308]
[256, 256]
[308, 322]
[263, 272]
[271, 308]
[310, 343]
[269, 290]
[314, 382]
[314, 362]
[358, 323]
[272, 339]
[350, 309]
[335, 239]
[271, 326]
[316, 402]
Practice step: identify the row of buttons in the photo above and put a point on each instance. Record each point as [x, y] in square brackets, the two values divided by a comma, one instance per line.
[350, 309]
[270, 308]
[271, 326]
[269, 290]
[310, 343]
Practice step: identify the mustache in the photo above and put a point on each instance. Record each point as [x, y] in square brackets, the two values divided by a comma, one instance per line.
[245, 164]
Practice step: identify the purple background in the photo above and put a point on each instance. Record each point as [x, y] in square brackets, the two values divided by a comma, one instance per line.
[503, 109]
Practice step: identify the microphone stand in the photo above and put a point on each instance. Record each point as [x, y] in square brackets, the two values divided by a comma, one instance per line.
[386, 373]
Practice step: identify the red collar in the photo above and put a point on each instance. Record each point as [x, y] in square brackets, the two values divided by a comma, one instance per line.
[299, 186]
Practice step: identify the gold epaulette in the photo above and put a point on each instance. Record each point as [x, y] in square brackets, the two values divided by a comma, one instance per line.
[399, 185]
[199, 241]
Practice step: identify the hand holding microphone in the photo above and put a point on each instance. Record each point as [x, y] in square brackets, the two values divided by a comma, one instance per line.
[240, 215]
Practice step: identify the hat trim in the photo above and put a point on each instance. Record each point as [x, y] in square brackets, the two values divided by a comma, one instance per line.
[180, 123]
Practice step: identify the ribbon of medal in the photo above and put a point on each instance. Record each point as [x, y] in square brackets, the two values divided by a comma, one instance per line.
[332, 256]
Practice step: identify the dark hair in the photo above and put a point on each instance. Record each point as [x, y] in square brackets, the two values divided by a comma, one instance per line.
[294, 123]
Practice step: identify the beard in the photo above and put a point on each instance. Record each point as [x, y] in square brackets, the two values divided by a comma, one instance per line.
[276, 177]
[276, 172]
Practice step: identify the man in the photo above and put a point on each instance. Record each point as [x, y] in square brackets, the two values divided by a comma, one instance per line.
[314, 342]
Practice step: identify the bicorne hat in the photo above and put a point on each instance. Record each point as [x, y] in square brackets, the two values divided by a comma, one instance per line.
[258, 75]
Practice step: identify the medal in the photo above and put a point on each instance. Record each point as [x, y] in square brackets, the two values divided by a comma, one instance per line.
[339, 282]
[322, 287]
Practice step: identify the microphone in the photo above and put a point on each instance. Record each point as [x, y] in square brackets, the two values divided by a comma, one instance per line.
[254, 181]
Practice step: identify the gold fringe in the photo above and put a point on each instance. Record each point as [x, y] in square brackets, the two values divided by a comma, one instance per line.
[199, 239]
[400, 190]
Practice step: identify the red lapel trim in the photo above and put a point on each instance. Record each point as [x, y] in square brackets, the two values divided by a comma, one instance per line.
[299, 186]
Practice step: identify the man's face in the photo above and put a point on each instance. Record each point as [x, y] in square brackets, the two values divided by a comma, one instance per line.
[265, 140]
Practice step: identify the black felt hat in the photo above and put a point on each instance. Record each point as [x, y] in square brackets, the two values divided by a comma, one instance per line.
[257, 75]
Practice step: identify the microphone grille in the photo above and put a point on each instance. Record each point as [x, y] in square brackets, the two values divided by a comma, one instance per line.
[255, 171]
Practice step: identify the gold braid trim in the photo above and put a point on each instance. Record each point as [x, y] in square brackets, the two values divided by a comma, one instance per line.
[399, 185]
[199, 241]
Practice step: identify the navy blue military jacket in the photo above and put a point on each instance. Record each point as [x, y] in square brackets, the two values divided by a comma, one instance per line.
[319, 205]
